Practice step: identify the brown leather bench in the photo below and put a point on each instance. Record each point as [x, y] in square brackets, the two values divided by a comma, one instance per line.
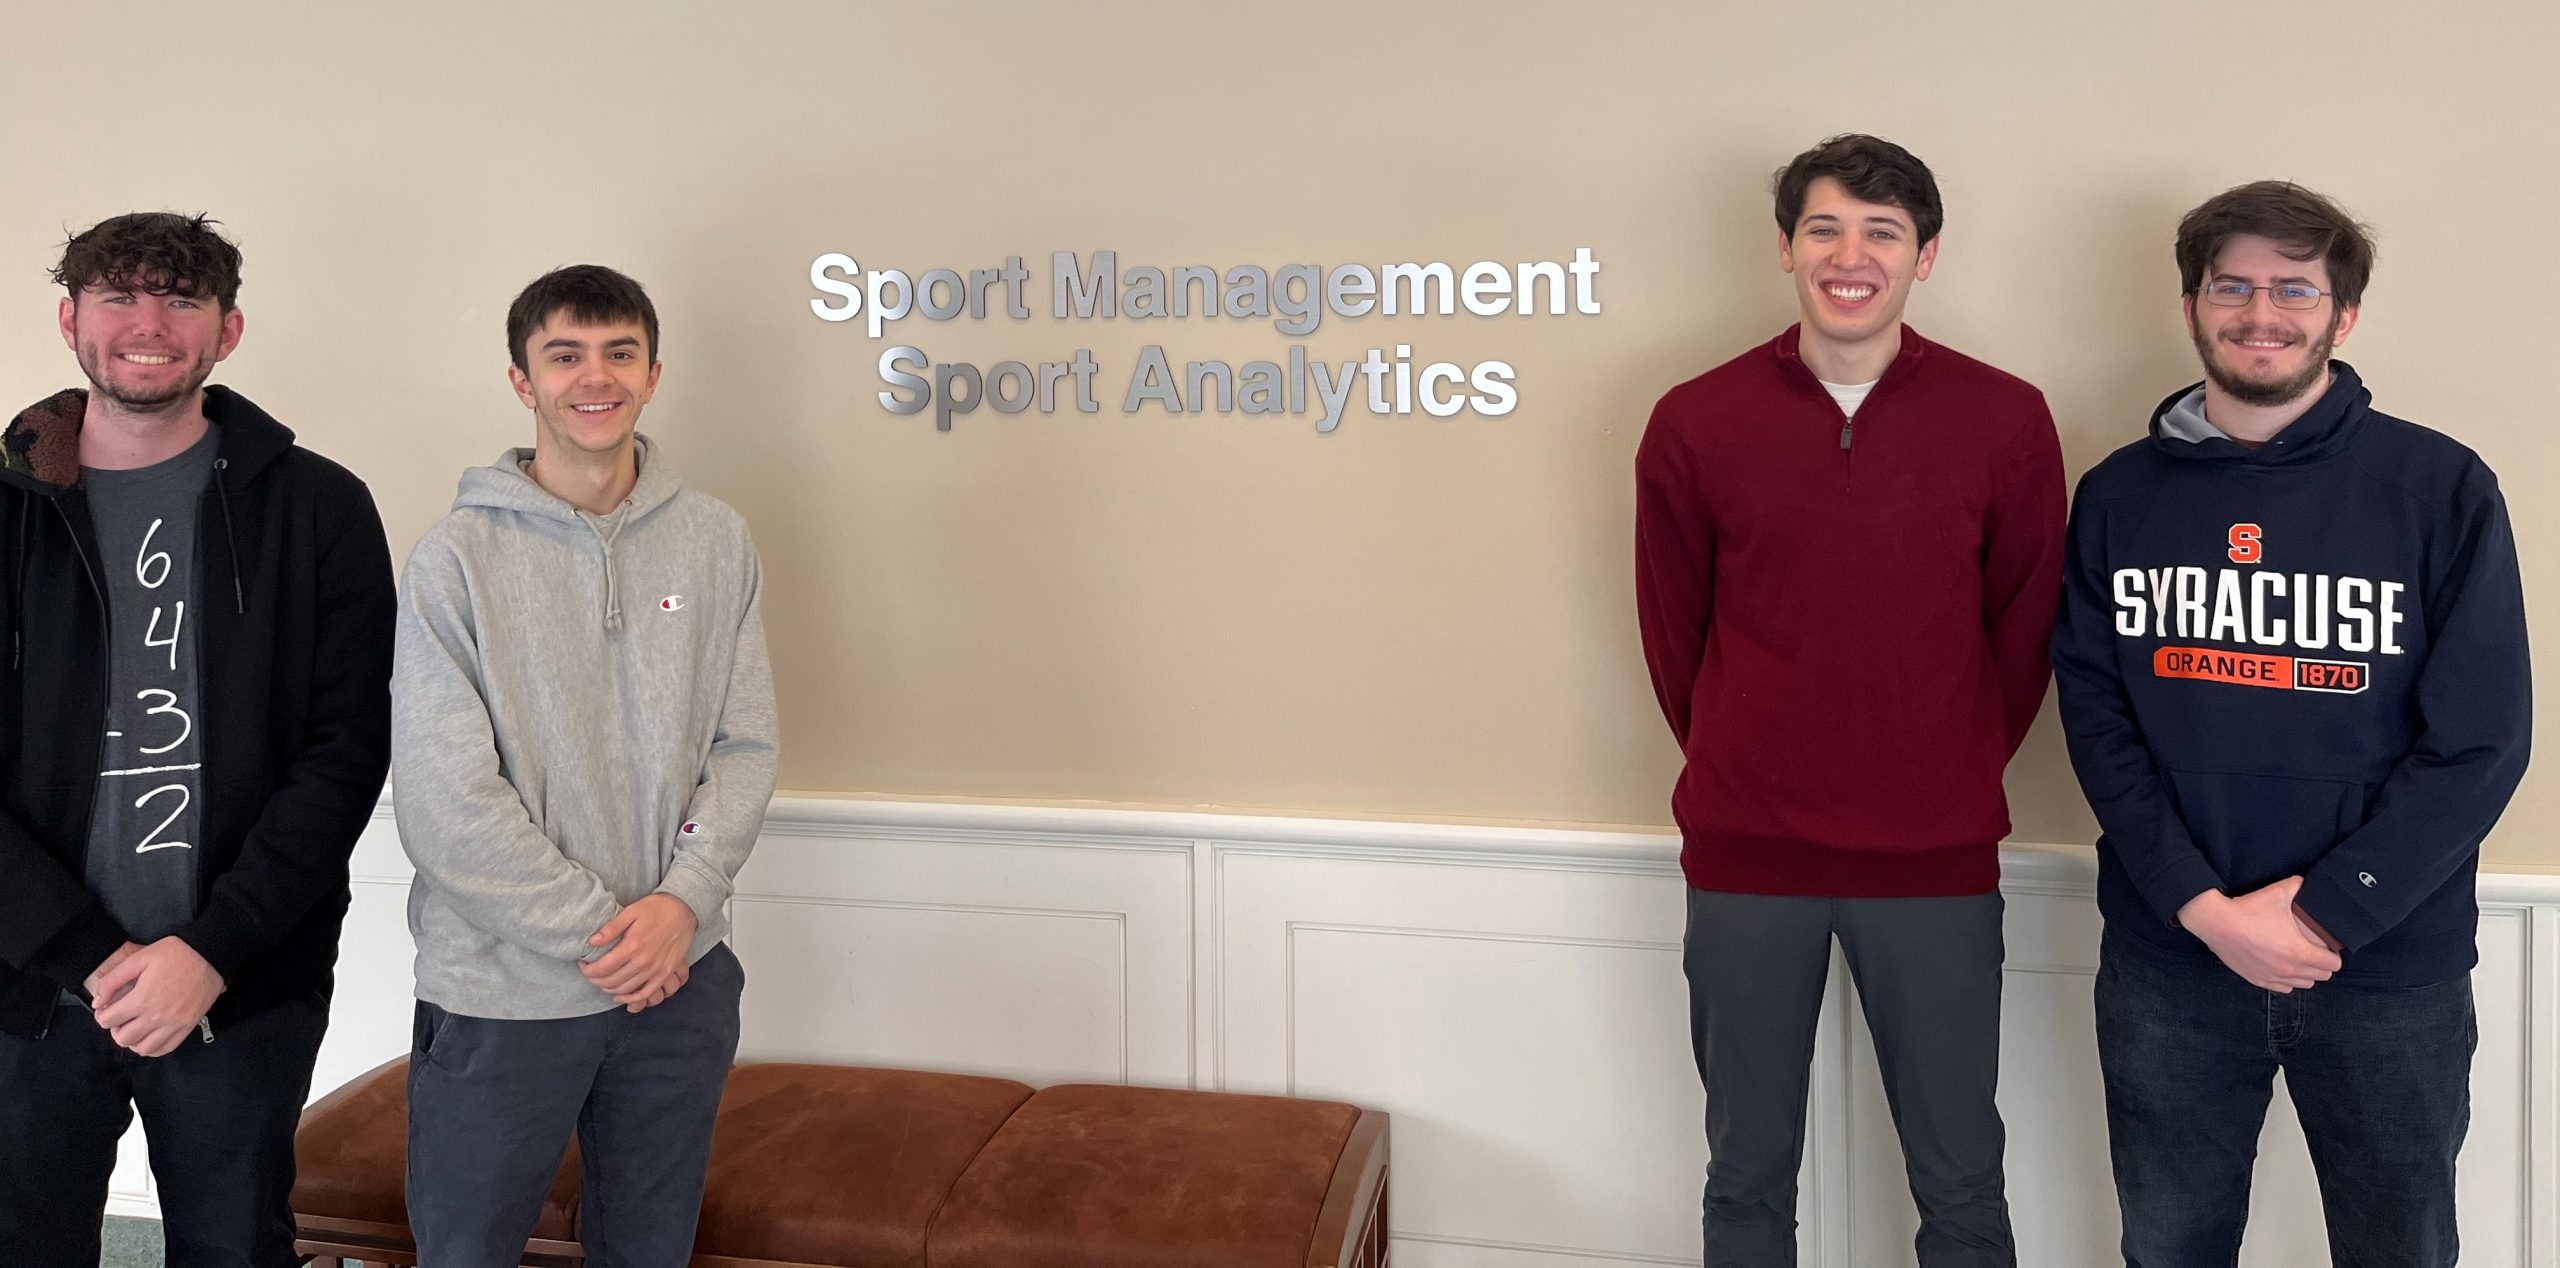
[817, 1166]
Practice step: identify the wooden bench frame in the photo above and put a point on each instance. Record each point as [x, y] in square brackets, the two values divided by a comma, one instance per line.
[347, 1243]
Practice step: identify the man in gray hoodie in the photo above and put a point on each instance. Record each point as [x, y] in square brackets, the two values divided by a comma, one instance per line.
[583, 748]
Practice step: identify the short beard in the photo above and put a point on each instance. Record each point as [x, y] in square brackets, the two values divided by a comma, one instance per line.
[170, 402]
[2263, 395]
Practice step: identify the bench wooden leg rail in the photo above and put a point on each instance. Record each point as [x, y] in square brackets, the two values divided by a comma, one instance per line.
[1351, 1230]
[340, 1249]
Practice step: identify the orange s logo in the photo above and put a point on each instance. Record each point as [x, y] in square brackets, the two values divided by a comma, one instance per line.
[2245, 547]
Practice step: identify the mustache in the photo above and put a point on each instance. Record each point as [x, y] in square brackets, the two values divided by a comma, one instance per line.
[2279, 333]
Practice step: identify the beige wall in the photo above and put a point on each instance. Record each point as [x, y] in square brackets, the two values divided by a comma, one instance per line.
[1410, 616]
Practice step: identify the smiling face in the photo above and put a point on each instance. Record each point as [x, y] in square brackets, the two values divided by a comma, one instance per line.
[2259, 354]
[149, 354]
[585, 383]
[1854, 263]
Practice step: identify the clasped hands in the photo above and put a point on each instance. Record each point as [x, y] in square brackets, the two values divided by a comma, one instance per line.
[147, 998]
[647, 962]
[2265, 936]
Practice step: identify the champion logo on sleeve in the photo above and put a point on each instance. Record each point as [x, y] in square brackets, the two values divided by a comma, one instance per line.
[671, 603]
[691, 828]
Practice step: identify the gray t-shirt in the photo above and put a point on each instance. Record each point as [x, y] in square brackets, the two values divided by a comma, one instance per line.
[142, 834]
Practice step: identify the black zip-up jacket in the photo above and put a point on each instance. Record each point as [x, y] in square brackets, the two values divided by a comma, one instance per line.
[294, 648]
[2305, 659]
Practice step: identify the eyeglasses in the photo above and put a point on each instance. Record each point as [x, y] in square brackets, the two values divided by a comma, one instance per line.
[2293, 295]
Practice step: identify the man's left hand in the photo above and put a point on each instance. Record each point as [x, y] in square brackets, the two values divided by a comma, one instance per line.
[654, 933]
[157, 995]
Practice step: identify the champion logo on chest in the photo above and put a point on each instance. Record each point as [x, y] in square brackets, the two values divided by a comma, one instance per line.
[671, 603]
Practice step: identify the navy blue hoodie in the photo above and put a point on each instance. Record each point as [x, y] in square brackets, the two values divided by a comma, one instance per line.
[2306, 659]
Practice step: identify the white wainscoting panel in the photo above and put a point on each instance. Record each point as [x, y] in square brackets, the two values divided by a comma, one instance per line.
[1512, 996]
[1043, 959]
[1525, 1025]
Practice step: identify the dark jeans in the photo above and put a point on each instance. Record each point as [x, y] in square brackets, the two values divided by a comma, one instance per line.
[492, 1104]
[219, 1117]
[1928, 976]
[2380, 1078]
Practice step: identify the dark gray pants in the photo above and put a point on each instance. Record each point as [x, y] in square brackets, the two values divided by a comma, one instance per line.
[1928, 978]
[492, 1103]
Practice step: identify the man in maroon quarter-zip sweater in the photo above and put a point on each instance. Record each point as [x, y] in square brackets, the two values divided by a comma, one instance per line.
[1848, 557]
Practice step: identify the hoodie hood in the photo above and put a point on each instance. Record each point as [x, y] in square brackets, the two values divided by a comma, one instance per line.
[40, 451]
[508, 485]
[2180, 429]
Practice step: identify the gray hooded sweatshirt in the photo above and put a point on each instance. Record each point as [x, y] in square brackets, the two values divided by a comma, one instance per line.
[582, 715]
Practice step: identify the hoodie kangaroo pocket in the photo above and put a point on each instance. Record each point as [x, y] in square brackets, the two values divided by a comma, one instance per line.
[2259, 829]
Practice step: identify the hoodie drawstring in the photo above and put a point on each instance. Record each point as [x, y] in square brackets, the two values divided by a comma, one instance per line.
[18, 587]
[239, 597]
[612, 591]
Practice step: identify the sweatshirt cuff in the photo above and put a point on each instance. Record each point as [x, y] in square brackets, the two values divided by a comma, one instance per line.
[72, 955]
[2171, 888]
[2339, 909]
[690, 885]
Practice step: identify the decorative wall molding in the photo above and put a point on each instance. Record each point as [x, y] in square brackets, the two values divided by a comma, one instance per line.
[1511, 994]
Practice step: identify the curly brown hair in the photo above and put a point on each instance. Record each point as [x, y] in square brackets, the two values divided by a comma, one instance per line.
[155, 252]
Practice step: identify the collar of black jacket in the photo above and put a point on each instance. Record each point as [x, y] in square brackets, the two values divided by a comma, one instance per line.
[40, 451]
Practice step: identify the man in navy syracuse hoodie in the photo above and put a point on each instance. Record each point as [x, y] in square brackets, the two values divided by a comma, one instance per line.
[1848, 549]
[2292, 669]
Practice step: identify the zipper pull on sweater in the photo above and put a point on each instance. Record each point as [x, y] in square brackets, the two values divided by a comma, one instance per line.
[1848, 427]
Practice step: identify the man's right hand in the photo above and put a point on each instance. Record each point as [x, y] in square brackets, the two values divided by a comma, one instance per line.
[2258, 938]
[656, 991]
[106, 966]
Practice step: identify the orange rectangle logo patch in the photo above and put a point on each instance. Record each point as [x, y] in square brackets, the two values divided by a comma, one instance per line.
[2246, 669]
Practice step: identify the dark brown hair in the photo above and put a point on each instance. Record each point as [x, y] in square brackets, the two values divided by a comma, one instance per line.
[590, 293]
[1872, 170]
[2304, 225]
[156, 253]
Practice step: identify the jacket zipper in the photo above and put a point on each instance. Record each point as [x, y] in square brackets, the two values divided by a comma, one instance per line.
[106, 646]
[106, 654]
[204, 697]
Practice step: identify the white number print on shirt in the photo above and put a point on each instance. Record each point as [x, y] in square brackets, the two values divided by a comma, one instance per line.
[151, 569]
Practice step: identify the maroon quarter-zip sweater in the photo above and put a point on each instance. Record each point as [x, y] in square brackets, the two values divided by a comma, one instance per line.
[1846, 622]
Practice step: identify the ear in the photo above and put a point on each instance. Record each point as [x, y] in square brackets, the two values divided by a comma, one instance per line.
[232, 324]
[522, 383]
[70, 309]
[1786, 252]
[650, 388]
[1928, 257]
[2346, 324]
